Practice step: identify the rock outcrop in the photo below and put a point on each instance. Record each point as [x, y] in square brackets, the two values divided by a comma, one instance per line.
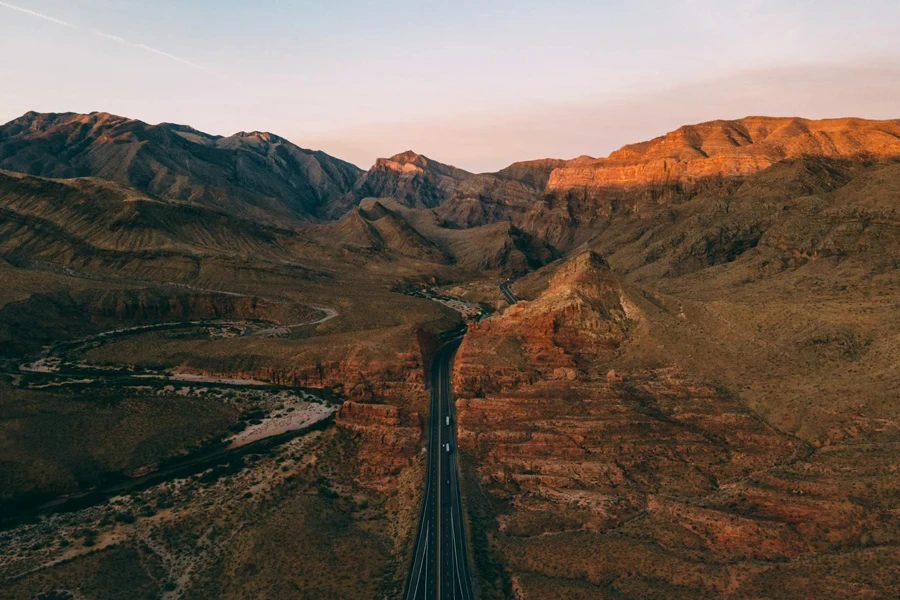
[593, 470]
[584, 312]
[389, 439]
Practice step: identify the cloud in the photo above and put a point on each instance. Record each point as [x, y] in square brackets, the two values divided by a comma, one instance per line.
[37, 14]
[105, 35]
[139, 46]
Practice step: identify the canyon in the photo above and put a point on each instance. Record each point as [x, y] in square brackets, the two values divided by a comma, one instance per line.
[694, 396]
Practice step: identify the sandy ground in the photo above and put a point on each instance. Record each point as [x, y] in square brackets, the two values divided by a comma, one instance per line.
[304, 413]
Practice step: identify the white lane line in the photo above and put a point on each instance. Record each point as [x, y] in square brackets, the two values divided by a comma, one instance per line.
[455, 560]
[421, 567]
[423, 525]
[458, 494]
[440, 459]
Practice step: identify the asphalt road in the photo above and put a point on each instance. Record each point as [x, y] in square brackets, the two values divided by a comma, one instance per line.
[440, 568]
[507, 293]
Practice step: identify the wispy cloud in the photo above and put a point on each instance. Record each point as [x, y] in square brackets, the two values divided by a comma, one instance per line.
[139, 46]
[105, 35]
[37, 14]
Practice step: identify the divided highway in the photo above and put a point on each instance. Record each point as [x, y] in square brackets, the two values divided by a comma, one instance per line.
[440, 568]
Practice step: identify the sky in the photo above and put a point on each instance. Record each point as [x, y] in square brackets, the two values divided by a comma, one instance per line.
[478, 84]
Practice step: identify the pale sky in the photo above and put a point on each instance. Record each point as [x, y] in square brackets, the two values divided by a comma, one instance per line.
[478, 84]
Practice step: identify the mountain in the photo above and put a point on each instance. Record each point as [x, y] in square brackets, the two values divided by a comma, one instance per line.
[93, 226]
[413, 180]
[255, 175]
[567, 203]
[727, 149]
[695, 395]
[700, 399]
[385, 227]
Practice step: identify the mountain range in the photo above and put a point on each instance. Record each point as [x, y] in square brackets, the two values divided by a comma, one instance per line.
[687, 387]
[258, 184]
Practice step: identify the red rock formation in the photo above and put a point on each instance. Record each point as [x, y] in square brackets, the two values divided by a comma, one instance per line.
[389, 439]
[601, 474]
[726, 149]
[583, 312]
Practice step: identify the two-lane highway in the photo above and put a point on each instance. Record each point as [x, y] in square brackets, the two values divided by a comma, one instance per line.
[508, 293]
[440, 568]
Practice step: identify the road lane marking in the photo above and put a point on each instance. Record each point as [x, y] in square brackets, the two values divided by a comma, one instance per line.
[421, 567]
[439, 460]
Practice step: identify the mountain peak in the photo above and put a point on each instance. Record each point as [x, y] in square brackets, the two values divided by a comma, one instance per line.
[409, 157]
[264, 136]
[406, 162]
[413, 162]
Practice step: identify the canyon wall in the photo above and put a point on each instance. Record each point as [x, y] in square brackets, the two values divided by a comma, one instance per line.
[595, 470]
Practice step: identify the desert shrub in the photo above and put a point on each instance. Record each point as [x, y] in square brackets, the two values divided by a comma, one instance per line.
[125, 517]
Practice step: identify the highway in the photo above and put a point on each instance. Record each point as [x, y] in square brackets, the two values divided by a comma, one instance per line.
[440, 567]
[507, 293]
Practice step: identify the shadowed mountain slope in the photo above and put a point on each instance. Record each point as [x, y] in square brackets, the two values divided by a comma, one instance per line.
[694, 397]
[383, 226]
[412, 179]
[255, 175]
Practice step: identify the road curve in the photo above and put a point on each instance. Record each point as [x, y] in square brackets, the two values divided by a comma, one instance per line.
[508, 293]
[440, 567]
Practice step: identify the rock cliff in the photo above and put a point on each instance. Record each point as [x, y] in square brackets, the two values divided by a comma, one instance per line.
[727, 149]
[389, 439]
[598, 462]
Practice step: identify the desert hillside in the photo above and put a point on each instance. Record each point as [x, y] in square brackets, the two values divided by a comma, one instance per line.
[231, 339]
[257, 175]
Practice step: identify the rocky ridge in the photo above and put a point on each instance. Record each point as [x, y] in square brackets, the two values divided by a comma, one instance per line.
[254, 175]
[728, 149]
[599, 468]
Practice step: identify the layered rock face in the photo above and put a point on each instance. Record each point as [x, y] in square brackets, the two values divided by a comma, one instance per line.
[398, 379]
[597, 471]
[727, 149]
[390, 439]
[566, 203]
[584, 309]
